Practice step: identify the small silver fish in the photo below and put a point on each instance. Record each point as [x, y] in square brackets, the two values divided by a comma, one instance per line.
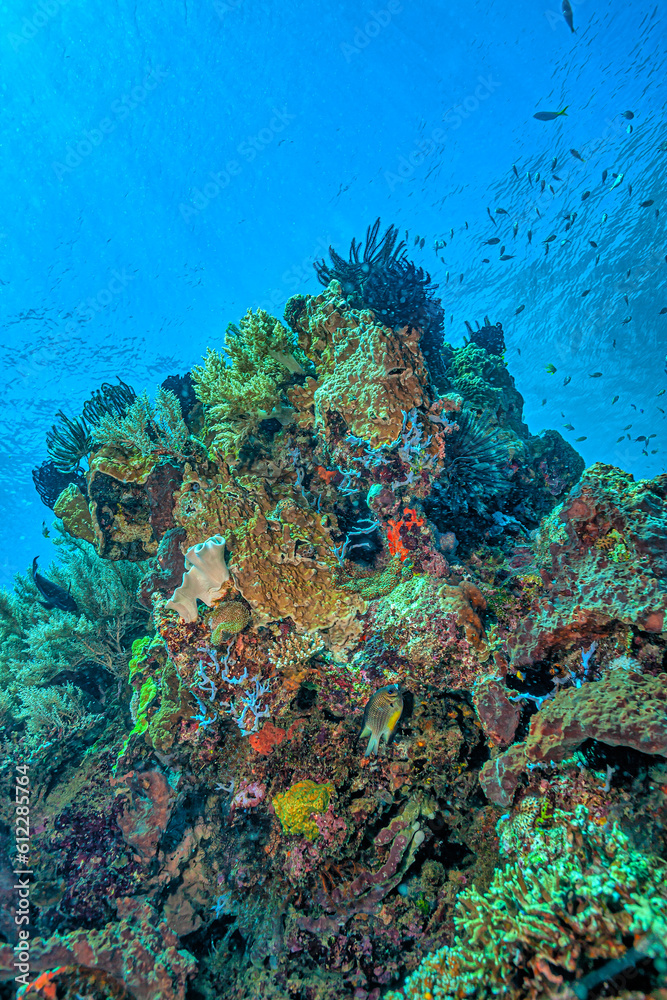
[381, 716]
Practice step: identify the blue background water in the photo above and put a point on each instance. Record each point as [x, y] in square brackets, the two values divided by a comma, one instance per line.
[166, 166]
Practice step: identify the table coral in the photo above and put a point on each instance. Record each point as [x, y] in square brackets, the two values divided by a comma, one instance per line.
[295, 807]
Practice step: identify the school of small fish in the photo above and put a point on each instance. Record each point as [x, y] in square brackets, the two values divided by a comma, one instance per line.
[577, 224]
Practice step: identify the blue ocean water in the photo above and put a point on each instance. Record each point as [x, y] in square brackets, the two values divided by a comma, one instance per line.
[166, 167]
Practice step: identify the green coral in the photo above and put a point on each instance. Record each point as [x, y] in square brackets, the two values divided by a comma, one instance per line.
[573, 896]
[146, 429]
[160, 698]
[246, 387]
[295, 807]
[37, 645]
[481, 378]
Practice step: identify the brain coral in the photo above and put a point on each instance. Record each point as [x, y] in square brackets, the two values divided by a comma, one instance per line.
[227, 619]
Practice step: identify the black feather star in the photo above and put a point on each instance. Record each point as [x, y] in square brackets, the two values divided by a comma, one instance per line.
[474, 471]
[379, 276]
[69, 441]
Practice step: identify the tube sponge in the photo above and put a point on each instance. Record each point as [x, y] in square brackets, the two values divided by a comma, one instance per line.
[205, 573]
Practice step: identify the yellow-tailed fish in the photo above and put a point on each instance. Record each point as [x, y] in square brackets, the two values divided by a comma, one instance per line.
[551, 369]
[381, 716]
[549, 116]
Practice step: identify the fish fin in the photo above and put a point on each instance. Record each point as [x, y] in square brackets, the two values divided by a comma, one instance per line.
[34, 566]
[49, 607]
[372, 746]
[564, 111]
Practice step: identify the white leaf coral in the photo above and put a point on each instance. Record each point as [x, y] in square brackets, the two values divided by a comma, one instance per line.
[206, 572]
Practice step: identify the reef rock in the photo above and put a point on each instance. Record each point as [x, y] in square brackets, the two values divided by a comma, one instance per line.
[602, 558]
[624, 708]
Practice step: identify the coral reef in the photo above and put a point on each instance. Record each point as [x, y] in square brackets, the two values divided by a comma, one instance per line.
[536, 932]
[587, 555]
[338, 527]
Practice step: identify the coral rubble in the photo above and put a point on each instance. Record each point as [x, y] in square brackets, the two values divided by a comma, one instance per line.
[328, 507]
